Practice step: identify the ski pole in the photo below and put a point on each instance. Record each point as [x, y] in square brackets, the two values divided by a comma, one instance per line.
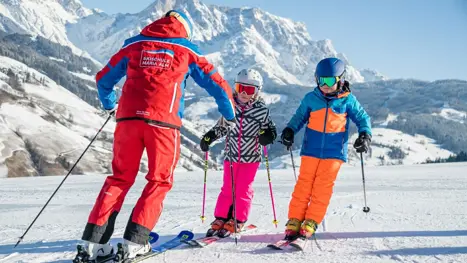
[234, 209]
[204, 191]
[293, 164]
[270, 185]
[366, 209]
[56, 190]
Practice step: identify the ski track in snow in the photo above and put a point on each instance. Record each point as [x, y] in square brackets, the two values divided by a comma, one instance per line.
[418, 214]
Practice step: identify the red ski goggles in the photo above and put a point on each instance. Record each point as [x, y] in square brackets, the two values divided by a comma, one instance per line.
[248, 89]
[329, 81]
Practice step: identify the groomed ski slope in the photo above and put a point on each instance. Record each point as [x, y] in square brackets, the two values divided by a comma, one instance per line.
[418, 214]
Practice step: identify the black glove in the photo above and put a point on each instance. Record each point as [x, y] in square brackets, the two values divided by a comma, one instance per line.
[346, 86]
[267, 136]
[207, 139]
[362, 143]
[287, 137]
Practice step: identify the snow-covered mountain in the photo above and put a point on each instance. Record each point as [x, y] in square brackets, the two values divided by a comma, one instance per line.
[44, 128]
[372, 75]
[46, 18]
[233, 37]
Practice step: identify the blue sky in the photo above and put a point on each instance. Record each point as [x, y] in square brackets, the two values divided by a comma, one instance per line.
[400, 38]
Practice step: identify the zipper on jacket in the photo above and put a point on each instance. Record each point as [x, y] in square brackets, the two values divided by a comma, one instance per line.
[324, 130]
[173, 97]
[239, 140]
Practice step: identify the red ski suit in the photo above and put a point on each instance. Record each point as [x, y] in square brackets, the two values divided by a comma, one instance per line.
[157, 63]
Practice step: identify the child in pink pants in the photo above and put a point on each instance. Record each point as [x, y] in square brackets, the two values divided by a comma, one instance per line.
[252, 128]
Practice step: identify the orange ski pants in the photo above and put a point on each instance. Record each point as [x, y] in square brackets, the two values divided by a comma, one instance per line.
[313, 190]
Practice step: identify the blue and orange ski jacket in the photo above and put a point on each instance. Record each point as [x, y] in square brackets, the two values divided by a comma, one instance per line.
[327, 123]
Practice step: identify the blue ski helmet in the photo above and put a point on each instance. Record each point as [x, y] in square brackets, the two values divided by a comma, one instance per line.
[330, 67]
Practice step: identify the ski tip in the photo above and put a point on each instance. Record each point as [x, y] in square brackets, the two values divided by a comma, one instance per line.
[153, 237]
[186, 235]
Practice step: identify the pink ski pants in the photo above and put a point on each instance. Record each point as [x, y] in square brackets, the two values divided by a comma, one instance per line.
[244, 175]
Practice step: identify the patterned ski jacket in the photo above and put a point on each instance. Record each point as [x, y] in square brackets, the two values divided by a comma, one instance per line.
[243, 138]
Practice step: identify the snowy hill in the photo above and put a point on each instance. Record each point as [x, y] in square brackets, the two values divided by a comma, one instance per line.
[435, 109]
[395, 147]
[409, 221]
[44, 128]
[388, 147]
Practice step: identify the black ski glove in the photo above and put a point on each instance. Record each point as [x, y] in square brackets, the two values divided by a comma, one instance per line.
[207, 139]
[362, 143]
[267, 136]
[287, 137]
[346, 86]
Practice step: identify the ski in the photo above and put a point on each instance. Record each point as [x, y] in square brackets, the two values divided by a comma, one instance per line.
[82, 255]
[279, 245]
[298, 244]
[153, 237]
[158, 249]
[205, 241]
[202, 242]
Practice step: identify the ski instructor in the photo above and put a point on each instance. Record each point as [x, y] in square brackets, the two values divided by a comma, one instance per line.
[156, 63]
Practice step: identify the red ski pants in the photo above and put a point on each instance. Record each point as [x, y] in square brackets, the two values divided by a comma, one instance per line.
[130, 139]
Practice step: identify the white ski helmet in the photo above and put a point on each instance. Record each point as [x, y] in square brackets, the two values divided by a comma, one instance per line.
[250, 77]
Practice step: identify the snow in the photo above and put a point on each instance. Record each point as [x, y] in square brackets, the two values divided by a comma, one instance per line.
[56, 94]
[198, 114]
[57, 59]
[452, 114]
[285, 161]
[391, 117]
[47, 18]
[270, 98]
[372, 75]
[56, 121]
[417, 149]
[411, 218]
[84, 76]
[232, 38]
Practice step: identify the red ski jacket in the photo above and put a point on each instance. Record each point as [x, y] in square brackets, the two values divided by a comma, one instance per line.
[157, 63]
